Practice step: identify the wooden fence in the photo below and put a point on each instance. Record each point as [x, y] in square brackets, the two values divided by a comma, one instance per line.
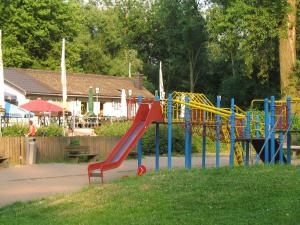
[53, 148]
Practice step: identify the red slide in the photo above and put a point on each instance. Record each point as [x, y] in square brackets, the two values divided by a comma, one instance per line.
[143, 119]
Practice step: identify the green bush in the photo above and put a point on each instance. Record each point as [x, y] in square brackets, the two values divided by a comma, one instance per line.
[178, 143]
[50, 131]
[74, 142]
[148, 139]
[210, 145]
[295, 123]
[15, 131]
[112, 129]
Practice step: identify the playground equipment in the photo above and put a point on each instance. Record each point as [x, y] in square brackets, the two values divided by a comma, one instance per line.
[233, 126]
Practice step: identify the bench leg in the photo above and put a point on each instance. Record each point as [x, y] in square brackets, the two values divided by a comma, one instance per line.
[101, 174]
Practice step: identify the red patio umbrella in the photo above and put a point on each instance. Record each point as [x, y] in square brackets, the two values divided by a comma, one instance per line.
[41, 106]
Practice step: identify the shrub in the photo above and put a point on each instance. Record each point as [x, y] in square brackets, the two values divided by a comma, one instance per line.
[50, 131]
[74, 142]
[112, 129]
[178, 143]
[15, 131]
[148, 140]
[295, 123]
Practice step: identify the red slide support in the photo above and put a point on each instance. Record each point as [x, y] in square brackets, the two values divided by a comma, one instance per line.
[143, 119]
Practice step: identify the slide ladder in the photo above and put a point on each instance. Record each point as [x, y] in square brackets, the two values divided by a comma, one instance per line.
[238, 148]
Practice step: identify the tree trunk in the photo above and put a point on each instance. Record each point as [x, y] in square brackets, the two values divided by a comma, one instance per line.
[232, 64]
[287, 54]
[191, 76]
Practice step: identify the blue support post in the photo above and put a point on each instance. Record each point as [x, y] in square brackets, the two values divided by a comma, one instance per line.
[139, 144]
[288, 137]
[232, 134]
[157, 143]
[170, 131]
[190, 143]
[272, 128]
[156, 95]
[248, 136]
[187, 136]
[281, 137]
[266, 106]
[280, 147]
[257, 134]
[204, 141]
[218, 128]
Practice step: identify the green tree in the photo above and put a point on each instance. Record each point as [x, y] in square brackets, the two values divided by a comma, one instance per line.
[175, 35]
[103, 42]
[33, 31]
[246, 34]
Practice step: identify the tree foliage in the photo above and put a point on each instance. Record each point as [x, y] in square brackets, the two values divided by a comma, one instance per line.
[228, 48]
[247, 34]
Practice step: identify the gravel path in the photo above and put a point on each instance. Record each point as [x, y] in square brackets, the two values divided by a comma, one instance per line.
[24, 183]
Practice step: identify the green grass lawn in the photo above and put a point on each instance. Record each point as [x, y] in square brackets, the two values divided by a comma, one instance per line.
[256, 195]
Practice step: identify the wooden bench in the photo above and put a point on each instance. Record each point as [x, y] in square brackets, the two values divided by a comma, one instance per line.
[295, 149]
[3, 161]
[79, 152]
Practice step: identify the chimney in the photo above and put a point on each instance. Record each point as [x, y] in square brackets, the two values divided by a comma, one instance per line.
[138, 81]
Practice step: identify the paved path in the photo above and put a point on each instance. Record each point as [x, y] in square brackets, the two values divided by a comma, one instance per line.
[23, 183]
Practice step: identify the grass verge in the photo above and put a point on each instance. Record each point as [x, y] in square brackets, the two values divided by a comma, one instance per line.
[255, 195]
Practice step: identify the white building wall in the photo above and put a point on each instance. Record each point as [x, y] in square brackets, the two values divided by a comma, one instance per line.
[96, 108]
[12, 91]
[112, 109]
[75, 106]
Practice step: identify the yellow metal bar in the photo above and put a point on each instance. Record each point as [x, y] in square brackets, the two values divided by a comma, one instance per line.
[222, 110]
[294, 100]
[212, 109]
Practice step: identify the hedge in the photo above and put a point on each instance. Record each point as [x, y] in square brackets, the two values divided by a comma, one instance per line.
[148, 139]
[15, 131]
[21, 130]
[50, 131]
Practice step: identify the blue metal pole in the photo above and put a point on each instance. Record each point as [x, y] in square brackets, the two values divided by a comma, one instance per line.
[190, 144]
[266, 106]
[156, 95]
[187, 135]
[248, 136]
[289, 138]
[170, 131]
[139, 144]
[232, 134]
[281, 137]
[157, 143]
[257, 134]
[204, 141]
[280, 147]
[218, 127]
[272, 129]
